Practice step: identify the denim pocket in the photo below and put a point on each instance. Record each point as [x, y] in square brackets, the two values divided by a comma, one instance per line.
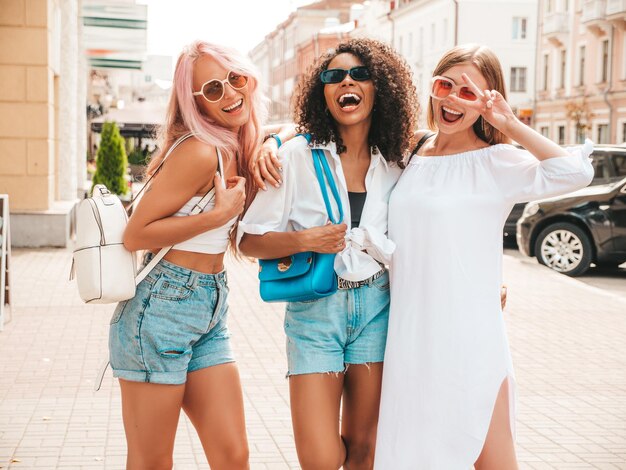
[119, 310]
[167, 288]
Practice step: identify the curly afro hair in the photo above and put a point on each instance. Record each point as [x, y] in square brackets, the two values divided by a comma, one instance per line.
[396, 107]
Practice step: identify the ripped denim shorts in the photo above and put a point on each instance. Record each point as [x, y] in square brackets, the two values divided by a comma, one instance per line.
[175, 324]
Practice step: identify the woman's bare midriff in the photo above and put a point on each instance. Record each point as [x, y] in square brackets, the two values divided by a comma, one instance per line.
[201, 262]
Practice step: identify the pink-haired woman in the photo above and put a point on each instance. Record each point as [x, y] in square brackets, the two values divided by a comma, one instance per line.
[169, 345]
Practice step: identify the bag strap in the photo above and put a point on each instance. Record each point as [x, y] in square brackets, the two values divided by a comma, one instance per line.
[322, 169]
[421, 142]
[169, 151]
[199, 207]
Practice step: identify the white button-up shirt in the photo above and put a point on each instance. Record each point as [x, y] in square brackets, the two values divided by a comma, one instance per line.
[298, 204]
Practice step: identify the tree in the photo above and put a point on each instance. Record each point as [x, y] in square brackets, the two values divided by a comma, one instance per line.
[579, 112]
[111, 160]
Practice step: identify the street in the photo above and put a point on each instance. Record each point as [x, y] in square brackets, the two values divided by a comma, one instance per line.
[567, 336]
[609, 280]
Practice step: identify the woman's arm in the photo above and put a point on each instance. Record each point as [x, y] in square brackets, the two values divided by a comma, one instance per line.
[496, 111]
[188, 172]
[326, 239]
[266, 166]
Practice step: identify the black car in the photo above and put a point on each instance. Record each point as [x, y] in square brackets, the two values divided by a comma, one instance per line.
[609, 163]
[568, 233]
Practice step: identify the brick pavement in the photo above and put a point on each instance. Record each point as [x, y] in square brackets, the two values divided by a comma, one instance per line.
[568, 342]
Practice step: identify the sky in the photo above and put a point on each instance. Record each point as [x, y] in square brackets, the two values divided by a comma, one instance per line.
[241, 24]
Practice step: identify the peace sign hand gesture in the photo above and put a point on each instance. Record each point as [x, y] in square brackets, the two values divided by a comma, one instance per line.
[490, 104]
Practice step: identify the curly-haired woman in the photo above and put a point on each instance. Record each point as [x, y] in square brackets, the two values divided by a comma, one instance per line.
[359, 105]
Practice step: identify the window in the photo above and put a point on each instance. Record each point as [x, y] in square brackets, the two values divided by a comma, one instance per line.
[603, 134]
[519, 27]
[518, 78]
[624, 132]
[546, 59]
[444, 31]
[549, 6]
[432, 35]
[409, 52]
[581, 65]
[545, 131]
[580, 135]
[400, 48]
[604, 73]
[563, 65]
[561, 132]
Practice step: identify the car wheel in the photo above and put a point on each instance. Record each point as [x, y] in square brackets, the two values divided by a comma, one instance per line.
[565, 248]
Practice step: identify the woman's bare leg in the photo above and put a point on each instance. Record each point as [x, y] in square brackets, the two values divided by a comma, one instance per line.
[315, 402]
[150, 413]
[499, 451]
[361, 400]
[214, 403]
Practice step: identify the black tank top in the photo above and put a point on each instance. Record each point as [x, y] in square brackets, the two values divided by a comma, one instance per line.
[357, 201]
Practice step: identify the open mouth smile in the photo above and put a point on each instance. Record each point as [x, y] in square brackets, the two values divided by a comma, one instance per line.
[450, 115]
[234, 107]
[349, 101]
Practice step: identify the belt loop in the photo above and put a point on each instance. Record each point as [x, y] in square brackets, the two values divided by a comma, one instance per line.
[192, 282]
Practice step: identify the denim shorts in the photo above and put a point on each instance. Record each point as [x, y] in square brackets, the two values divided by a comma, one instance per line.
[348, 327]
[175, 324]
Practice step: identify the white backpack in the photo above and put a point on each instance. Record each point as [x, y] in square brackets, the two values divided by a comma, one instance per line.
[105, 271]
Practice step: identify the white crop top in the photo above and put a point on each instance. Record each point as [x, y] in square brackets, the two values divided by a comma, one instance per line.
[214, 241]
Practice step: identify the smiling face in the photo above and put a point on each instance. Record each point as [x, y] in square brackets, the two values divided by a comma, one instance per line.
[230, 112]
[449, 118]
[350, 102]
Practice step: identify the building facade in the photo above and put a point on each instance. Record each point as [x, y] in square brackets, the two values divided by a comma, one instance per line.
[42, 117]
[581, 71]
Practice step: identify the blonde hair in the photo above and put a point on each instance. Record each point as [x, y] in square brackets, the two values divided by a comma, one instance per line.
[486, 61]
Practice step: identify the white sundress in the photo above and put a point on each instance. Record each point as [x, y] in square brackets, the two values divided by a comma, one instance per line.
[447, 352]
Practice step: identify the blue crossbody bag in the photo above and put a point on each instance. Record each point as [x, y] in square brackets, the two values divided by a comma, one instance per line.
[308, 275]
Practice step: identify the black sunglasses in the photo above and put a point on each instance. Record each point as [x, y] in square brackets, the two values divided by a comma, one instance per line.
[360, 74]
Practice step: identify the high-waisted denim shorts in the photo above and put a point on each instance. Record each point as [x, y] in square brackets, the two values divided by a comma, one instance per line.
[175, 324]
[348, 327]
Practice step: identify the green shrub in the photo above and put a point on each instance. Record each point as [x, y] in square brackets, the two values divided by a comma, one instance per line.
[111, 160]
[137, 157]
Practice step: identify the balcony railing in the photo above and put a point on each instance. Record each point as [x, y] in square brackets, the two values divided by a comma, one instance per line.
[555, 23]
[593, 10]
[616, 7]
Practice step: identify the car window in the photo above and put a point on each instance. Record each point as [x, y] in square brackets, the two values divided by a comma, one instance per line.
[601, 171]
[619, 163]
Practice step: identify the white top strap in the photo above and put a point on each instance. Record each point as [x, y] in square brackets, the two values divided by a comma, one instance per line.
[199, 207]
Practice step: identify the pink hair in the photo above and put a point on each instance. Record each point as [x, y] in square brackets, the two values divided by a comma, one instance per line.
[184, 115]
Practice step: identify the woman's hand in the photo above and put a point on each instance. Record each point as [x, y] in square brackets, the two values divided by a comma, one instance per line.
[490, 104]
[230, 200]
[266, 166]
[328, 238]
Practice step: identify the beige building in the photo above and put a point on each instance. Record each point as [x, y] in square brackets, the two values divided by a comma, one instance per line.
[42, 117]
[581, 71]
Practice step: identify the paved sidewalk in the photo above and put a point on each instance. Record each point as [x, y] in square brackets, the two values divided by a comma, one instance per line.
[568, 342]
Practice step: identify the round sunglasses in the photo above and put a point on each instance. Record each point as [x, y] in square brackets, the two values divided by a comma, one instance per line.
[214, 89]
[360, 74]
[442, 87]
